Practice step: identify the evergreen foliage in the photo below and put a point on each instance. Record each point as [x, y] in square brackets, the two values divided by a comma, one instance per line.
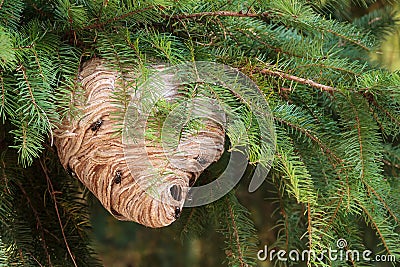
[337, 115]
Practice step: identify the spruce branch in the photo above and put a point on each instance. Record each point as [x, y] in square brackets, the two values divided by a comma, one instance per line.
[370, 98]
[337, 162]
[220, 13]
[188, 222]
[53, 195]
[119, 18]
[304, 81]
[335, 213]
[320, 65]
[28, 85]
[37, 261]
[314, 138]
[40, 111]
[283, 213]
[360, 139]
[274, 48]
[351, 40]
[38, 223]
[238, 230]
[309, 230]
[375, 225]
[3, 100]
[380, 198]
[235, 232]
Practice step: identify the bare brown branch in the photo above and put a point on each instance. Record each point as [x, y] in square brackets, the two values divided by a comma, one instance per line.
[52, 193]
[220, 14]
[308, 82]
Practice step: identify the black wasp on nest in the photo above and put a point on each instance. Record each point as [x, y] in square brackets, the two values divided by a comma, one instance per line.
[95, 126]
[118, 177]
[177, 212]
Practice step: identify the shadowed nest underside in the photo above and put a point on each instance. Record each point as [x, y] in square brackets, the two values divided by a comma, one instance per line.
[90, 147]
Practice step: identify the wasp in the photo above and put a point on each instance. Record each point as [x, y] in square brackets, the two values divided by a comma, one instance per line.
[177, 212]
[118, 177]
[95, 126]
[201, 160]
[70, 171]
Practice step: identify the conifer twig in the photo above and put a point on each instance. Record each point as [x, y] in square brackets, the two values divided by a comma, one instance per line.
[324, 148]
[274, 48]
[38, 223]
[387, 207]
[52, 192]
[309, 229]
[101, 24]
[376, 226]
[235, 232]
[220, 13]
[370, 98]
[309, 82]
[360, 139]
[3, 93]
[34, 258]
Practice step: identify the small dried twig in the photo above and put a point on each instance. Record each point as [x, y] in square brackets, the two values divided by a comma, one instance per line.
[218, 13]
[309, 82]
[52, 193]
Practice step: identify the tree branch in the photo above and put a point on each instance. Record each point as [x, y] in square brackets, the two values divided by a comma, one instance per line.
[218, 13]
[101, 24]
[376, 226]
[323, 147]
[383, 202]
[38, 223]
[235, 232]
[308, 82]
[3, 95]
[370, 98]
[309, 230]
[52, 192]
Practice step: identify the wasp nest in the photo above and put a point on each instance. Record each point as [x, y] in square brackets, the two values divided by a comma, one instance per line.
[91, 148]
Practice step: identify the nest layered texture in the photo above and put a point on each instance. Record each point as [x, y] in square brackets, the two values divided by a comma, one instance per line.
[90, 147]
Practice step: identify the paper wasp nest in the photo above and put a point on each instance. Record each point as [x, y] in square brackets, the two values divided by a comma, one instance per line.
[118, 174]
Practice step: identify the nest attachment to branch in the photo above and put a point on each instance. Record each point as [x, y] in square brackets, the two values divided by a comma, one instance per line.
[90, 147]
